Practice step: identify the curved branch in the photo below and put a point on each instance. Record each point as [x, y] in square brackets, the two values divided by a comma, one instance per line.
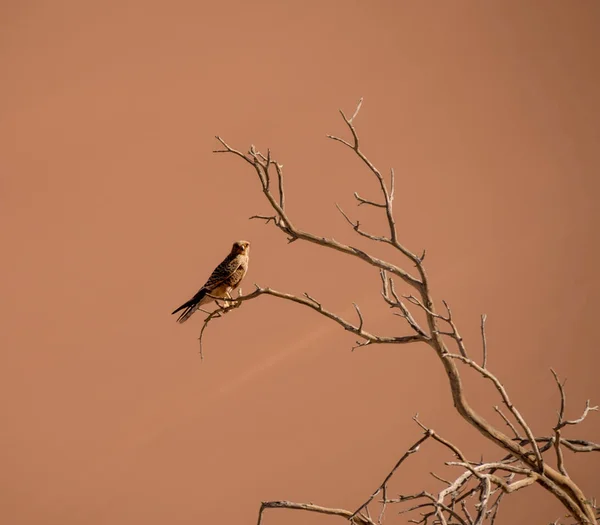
[358, 520]
[313, 304]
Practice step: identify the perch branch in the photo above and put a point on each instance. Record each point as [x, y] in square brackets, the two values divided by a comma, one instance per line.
[357, 329]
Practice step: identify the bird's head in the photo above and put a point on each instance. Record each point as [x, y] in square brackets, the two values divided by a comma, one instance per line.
[240, 248]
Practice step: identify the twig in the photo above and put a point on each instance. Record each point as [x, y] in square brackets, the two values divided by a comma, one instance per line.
[214, 315]
[356, 110]
[362, 201]
[390, 296]
[508, 422]
[388, 195]
[356, 227]
[414, 448]
[454, 334]
[486, 490]
[562, 422]
[484, 341]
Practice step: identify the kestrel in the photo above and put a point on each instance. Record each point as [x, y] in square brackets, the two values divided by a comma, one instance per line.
[224, 279]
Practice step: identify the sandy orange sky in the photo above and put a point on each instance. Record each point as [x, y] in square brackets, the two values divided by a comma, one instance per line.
[114, 211]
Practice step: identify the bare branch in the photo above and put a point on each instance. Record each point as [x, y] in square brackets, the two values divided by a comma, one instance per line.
[486, 490]
[358, 520]
[219, 312]
[515, 412]
[390, 296]
[266, 218]
[578, 445]
[360, 317]
[414, 448]
[492, 466]
[440, 439]
[279, 169]
[508, 422]
[574, 445]
[388, 195]
[562, 422]
[585, 414]
[439, 478]
[560, 461]
[362, 201]
[229, 149]
[454, 334]
[465, 509]
[484, 341]
[310, 302]
[356, 110]
[436, 503]
[412, 299]
[493, 511]
[356, 227]
[338, 139]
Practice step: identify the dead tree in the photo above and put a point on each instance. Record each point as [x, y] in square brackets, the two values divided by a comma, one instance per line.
[474, 496]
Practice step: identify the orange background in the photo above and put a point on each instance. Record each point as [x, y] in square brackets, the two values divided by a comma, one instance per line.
[114, 211]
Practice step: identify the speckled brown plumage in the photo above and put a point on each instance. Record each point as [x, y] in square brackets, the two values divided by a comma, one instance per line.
[224, 279]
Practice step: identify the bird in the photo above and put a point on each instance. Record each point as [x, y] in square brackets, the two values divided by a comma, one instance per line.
[224, 279]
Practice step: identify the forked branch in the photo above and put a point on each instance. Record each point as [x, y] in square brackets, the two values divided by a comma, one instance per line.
[367, 338]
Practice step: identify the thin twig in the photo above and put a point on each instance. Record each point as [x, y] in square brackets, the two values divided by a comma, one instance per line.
[508, 422]
[562, 422]
[414, 448]
[484, 341]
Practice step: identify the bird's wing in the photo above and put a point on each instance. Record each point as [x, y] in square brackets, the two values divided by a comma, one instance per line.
[222, 272]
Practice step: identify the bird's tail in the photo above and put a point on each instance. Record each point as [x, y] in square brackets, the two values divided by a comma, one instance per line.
[190, 307]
